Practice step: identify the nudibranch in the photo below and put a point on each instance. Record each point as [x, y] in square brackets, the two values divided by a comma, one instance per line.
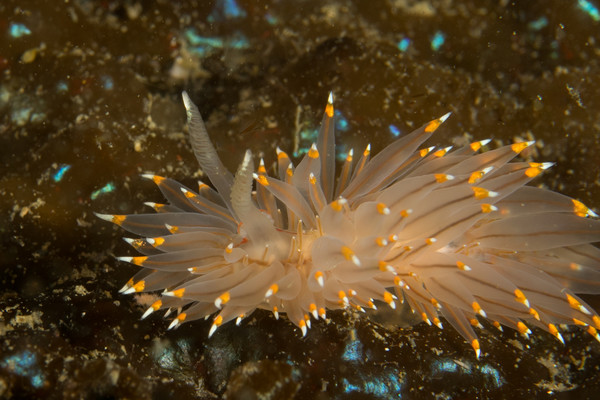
[456, 233]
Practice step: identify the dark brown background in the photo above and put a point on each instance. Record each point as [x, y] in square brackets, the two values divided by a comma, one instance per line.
[65, 332]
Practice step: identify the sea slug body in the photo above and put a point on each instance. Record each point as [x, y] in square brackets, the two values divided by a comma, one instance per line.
[457, 234]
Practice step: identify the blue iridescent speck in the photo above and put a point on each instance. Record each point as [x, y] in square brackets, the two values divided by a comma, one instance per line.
[394, 130]
[224, 10]
[24, 364]
[57, 177]
[109, 187]
[437, 41]
[590, 9]
[18, 30]
[403, 44]
[538, 24]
